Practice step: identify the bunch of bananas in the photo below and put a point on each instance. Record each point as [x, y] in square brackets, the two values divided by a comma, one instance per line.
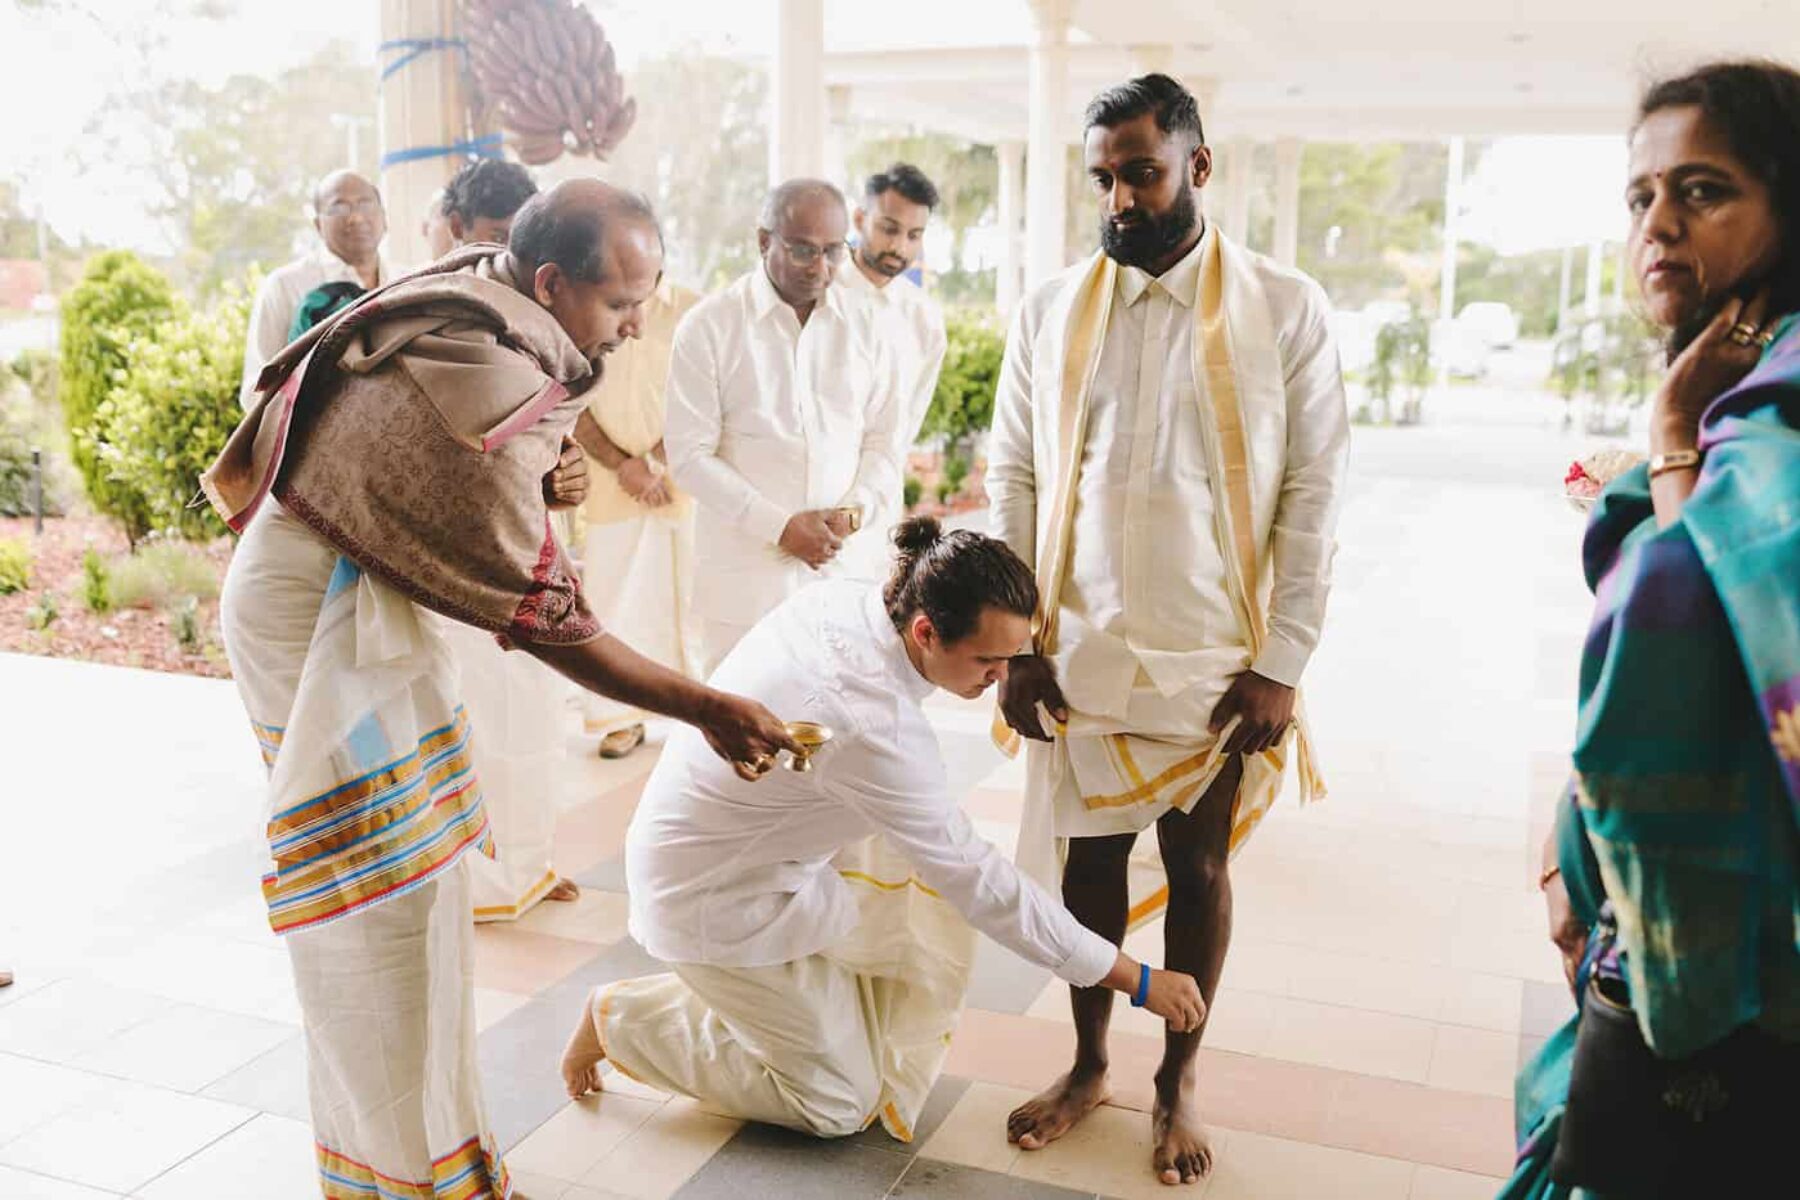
[549, 76]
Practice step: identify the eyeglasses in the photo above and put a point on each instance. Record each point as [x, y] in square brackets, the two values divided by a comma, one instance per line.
[805, 254]
[366, 206]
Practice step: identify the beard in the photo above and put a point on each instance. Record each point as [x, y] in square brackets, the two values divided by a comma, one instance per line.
[887, 263]
[1150, 238]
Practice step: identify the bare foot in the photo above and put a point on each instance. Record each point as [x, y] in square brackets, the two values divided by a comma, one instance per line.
[581, 1060]
[1182, 1153]
[1055, 1110]
[565, 889]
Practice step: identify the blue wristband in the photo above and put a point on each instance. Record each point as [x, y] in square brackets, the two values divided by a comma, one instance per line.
[1143, 988]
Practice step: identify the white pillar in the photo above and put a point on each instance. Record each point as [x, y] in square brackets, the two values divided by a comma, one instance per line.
[797, 117]
[837, 141]
[422, 104]
[1012, 189]
[1564, 288]
[1595, 255]
[1453, 179]
[1287, 200]
[1046, 201]
[1153, 58]
[1242, 153]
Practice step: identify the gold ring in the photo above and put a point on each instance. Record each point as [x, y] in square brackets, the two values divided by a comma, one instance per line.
[1744, 334]
[1765, 339]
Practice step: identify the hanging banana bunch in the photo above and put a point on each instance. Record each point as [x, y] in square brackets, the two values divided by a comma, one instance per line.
[548, 75]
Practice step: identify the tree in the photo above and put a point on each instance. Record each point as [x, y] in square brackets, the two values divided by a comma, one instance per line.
[962, 406]
[700, 152]
[118, 299]
[966, 176]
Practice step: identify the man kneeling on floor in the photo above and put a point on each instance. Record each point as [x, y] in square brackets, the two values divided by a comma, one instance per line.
[814, 922]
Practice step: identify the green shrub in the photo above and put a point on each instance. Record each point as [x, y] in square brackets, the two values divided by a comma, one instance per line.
[160, 574]
[962, 407]
[96, 583]
[944, 491]
[185, 620]
[912, 490]
[43, 614]
[15, 566]
[119, 298]
[956, 472]
[37, 371]
[172, 408]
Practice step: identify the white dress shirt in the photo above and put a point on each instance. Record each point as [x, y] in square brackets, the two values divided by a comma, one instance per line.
[767, 418]
[731, 873]
[1146, 589]
[912, 324]
[278, 299]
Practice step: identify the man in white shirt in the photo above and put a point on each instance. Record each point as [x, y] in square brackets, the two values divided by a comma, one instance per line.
[1168, 450]
[783, 403]
[803, 992]
[890, 226]
[351, 222]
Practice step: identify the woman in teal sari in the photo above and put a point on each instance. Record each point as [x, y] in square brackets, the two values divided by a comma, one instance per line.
[1671, 874]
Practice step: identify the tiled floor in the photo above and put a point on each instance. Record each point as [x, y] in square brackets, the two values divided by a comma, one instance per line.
[1388, 968]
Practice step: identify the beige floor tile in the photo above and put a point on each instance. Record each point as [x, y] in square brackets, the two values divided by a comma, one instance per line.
[185, 1048]
[1482, 1001]
[664, 1153]
[210, 971]
[1474, 1060]
[1255, 1166]
[1109, 1153]
[1437, 1183]
[32, 1092]
[528, 1185]
[1405, 989]
[974, 1132]
[61, 1022]
[617, 1083]
[594, 916]
[568, 1145]
[1349, 1039]
[270, 1158]
[493, 1006]
[145, 1131]
[1240, 1022]
[588, 1193]
[23, 1185]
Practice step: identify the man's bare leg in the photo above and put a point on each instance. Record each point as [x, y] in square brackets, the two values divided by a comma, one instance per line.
[1094, 888]
[1196, 933]
[581, 1060]
[564, 890]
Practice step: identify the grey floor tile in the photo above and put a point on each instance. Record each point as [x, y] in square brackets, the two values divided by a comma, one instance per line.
[928, 1179]
[1544, 1008]
[608, 876]
[1002, 981]
[944, 1095]
[763, 1161]
[273, 1083]
[1529, 1046]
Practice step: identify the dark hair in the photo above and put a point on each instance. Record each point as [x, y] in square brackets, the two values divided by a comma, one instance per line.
[573, 236]
[1754, 104]
[1175, 108]
[951, 576]
[906, 179]
[488, 187]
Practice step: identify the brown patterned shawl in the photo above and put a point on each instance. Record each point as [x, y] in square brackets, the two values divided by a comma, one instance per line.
[412, 431]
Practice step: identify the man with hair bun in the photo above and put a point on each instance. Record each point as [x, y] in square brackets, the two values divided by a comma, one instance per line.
[816, 971]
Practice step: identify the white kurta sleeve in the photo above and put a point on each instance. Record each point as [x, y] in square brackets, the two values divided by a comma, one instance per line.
[1011, 480]
[264, 339]
[910, 805]
[1318, 452]
[694, 419]
[878, 466]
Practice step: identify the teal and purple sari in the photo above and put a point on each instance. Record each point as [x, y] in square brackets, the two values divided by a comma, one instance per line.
[1684, 812]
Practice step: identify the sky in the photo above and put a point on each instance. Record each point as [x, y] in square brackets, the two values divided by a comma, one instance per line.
[1528, 193]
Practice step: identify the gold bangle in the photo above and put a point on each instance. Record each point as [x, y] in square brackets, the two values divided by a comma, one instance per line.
[1545, 878]
[1674, 460]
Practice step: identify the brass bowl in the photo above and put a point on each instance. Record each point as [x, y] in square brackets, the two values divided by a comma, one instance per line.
[852, 513]
[811, 736]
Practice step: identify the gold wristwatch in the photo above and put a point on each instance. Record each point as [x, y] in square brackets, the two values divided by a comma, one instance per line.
[1674, 460]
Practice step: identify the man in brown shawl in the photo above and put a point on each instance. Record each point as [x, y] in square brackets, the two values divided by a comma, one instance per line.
[395, 458]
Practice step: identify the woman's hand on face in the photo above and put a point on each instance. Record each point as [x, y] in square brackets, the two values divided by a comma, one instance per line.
[1712, 365]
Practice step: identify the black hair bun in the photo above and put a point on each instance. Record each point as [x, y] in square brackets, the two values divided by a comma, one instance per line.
[915, 535]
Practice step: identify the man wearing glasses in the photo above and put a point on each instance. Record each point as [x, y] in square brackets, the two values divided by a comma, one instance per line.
[783, 405]
[347, 213]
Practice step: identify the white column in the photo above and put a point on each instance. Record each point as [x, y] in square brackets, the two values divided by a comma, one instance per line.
[1046, 201]
[1242, 152]
[1565, 287]
[837, 141]
[1287, 200]
[422, 104]
[1453, 178]
[1012, 189]
[1153, 58]
[797, 116]
[1595, 256]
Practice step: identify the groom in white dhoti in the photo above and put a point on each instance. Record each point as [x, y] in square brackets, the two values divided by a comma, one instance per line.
[816, 972]
[1168, 451]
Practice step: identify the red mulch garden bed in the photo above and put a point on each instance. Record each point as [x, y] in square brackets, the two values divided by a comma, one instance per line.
[134, 637]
